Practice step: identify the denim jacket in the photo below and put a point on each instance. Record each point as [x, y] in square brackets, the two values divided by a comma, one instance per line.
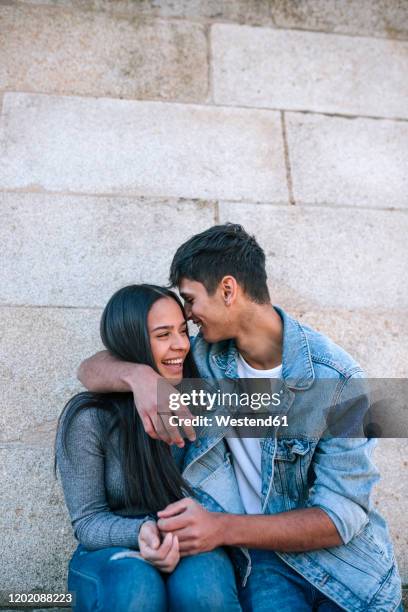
[335, 474]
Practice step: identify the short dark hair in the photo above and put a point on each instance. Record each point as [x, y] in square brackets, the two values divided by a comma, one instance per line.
[217, 252]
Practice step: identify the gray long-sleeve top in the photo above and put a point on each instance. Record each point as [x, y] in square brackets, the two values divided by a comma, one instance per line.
[93, 483]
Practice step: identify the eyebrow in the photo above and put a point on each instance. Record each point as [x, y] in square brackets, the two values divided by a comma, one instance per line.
[167, 326]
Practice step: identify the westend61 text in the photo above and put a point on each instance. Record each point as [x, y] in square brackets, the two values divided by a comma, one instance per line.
[228, 421]
[207, 400]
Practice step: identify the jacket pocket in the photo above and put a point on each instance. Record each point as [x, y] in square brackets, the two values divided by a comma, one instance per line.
[221, 485]
[366, 543]
[292, 461]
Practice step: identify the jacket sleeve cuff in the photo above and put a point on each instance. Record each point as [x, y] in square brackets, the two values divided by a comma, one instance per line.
[348, 517]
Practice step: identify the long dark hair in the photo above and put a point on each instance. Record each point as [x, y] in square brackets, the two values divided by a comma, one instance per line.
[151, 476]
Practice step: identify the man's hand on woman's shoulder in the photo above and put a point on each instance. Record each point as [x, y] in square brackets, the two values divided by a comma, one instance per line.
[152, 398]
[104, 373]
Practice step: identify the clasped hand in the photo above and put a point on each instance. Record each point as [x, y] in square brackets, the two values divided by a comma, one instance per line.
[184, 528]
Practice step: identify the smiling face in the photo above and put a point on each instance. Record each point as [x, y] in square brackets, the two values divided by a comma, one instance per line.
[168, 338]
[209, 312]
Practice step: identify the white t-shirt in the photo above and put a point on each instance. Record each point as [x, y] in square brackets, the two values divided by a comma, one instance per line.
[246, 452]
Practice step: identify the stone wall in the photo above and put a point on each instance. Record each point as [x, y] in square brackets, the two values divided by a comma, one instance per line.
[127, 126]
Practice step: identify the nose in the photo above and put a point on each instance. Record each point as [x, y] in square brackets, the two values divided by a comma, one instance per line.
[180, 342]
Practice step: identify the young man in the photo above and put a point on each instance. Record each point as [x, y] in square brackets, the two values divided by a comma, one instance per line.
[301, 505]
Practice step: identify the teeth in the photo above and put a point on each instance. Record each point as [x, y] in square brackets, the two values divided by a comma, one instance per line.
[173, 361]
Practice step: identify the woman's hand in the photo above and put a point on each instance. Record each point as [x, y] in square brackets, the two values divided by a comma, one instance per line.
[164, 556]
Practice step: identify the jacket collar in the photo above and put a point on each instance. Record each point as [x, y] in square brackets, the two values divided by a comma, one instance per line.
[297, 367]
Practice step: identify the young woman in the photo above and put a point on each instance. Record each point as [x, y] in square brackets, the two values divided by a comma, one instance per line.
[115, 477]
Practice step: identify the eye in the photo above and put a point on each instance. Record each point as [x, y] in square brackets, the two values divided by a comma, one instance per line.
[163, 335]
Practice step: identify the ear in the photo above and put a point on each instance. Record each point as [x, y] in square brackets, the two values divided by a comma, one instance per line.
[229, 289]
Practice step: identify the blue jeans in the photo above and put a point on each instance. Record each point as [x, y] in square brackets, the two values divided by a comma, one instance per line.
[273, 585]
[109, 580]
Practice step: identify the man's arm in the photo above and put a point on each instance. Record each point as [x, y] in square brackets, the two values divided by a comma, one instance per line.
[104, 373]
[292, 531]
[199, 530]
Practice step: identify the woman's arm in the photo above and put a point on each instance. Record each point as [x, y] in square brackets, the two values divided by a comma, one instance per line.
[81, 464]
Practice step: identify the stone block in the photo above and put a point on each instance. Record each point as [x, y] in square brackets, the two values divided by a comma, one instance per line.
[355, 162]
[374, 338]
[388, 18]
[391, 494]
[144, 148]
[325, 258]
[313, 71]
[92, 54]
[40, 352]
[242, 11]
[37, 539]
[89, 246]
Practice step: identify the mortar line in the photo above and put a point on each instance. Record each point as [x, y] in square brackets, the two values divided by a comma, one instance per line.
[325, 205]
[288, 169]
[50, 306]
[210, 87]
[271, 109]
[216, 212]
[343, 34]
[142, 198]
[379, 310]
[153, 200]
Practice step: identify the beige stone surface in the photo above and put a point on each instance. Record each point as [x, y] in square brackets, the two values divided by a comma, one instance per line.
[76, 251]
[241, 11]
[374, 338]
[329, 258]
[384, 18]
[354, 162]
[390, 498]
[263, 67]
[40, 352]
[387, 18]
[36, 535]
[51, 143]
[85, 53]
